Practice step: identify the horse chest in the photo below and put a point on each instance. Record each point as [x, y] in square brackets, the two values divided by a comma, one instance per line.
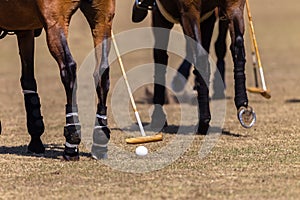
[19, 15]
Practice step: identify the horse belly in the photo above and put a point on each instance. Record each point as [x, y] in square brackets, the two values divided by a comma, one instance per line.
[19, 15]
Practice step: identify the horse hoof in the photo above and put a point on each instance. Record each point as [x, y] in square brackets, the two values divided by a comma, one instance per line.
[158, 125]
[99, 152]
[71, 154]
[202, 128]
[158, 119]
[36, 146]
[246, 116]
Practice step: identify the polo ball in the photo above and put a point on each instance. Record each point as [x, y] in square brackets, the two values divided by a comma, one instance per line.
[141, 151]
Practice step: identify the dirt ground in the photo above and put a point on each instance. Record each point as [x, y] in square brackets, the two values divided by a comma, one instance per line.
[258, 163]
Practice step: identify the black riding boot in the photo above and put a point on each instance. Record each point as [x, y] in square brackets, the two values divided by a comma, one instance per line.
[140, 10]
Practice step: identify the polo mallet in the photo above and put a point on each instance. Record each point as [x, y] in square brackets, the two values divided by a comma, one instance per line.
[256, 60]
[143, 138]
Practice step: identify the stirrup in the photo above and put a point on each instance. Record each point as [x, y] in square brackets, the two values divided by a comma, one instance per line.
[142, 4]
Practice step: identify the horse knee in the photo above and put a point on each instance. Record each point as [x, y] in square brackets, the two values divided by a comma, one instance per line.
[68, 74]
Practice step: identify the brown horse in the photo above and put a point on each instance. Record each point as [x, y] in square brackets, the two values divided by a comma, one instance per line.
[188, 13]
[27, 18]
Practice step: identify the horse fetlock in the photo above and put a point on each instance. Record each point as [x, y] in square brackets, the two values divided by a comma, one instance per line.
[99, 152]
[101, 135]
[72, 134]
[36, 146]
[35, 124]
[158, 118]
[203, 127]
[71, 153]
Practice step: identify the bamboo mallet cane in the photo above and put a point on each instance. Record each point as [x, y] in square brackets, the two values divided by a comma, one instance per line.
[143, 138]
[263, 91]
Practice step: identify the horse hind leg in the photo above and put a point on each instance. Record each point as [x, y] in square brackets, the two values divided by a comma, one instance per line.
[35, 124]
[158, 118]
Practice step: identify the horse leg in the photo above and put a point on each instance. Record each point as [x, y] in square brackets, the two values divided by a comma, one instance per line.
[35, 124]
[191, 27]
[220, 49]
[183, 72]
[56, 27]
[236, 28]
[158, 118]
[101, 28]
[178, 82]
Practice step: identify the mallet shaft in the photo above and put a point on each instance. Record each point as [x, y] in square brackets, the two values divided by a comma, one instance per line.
[127, 85]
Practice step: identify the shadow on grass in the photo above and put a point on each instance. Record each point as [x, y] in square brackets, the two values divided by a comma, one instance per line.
[292, 101]
[175, 129]
[53, 151]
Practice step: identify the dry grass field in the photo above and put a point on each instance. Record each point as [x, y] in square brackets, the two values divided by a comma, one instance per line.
[258, 163]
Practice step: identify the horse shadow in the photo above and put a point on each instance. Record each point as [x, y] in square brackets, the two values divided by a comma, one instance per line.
[181, 130]
[292, 101]
[53, 151]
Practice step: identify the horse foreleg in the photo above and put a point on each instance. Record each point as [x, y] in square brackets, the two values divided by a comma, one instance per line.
[191, 27]
[236, 27]
[246, 115]
[35, 124]
[56, 23]
[100, 25]
[59, 49]
[161, 31]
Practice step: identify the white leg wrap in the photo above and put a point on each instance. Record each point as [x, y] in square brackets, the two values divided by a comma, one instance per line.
[71, 114]
[101, 116]
[28, 92]
[76, 124]
[71, 145]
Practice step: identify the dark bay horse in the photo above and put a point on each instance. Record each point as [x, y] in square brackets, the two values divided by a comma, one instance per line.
[27, 18]
[187, 13]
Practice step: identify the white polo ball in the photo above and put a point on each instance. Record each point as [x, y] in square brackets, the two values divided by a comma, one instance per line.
[141, 151]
